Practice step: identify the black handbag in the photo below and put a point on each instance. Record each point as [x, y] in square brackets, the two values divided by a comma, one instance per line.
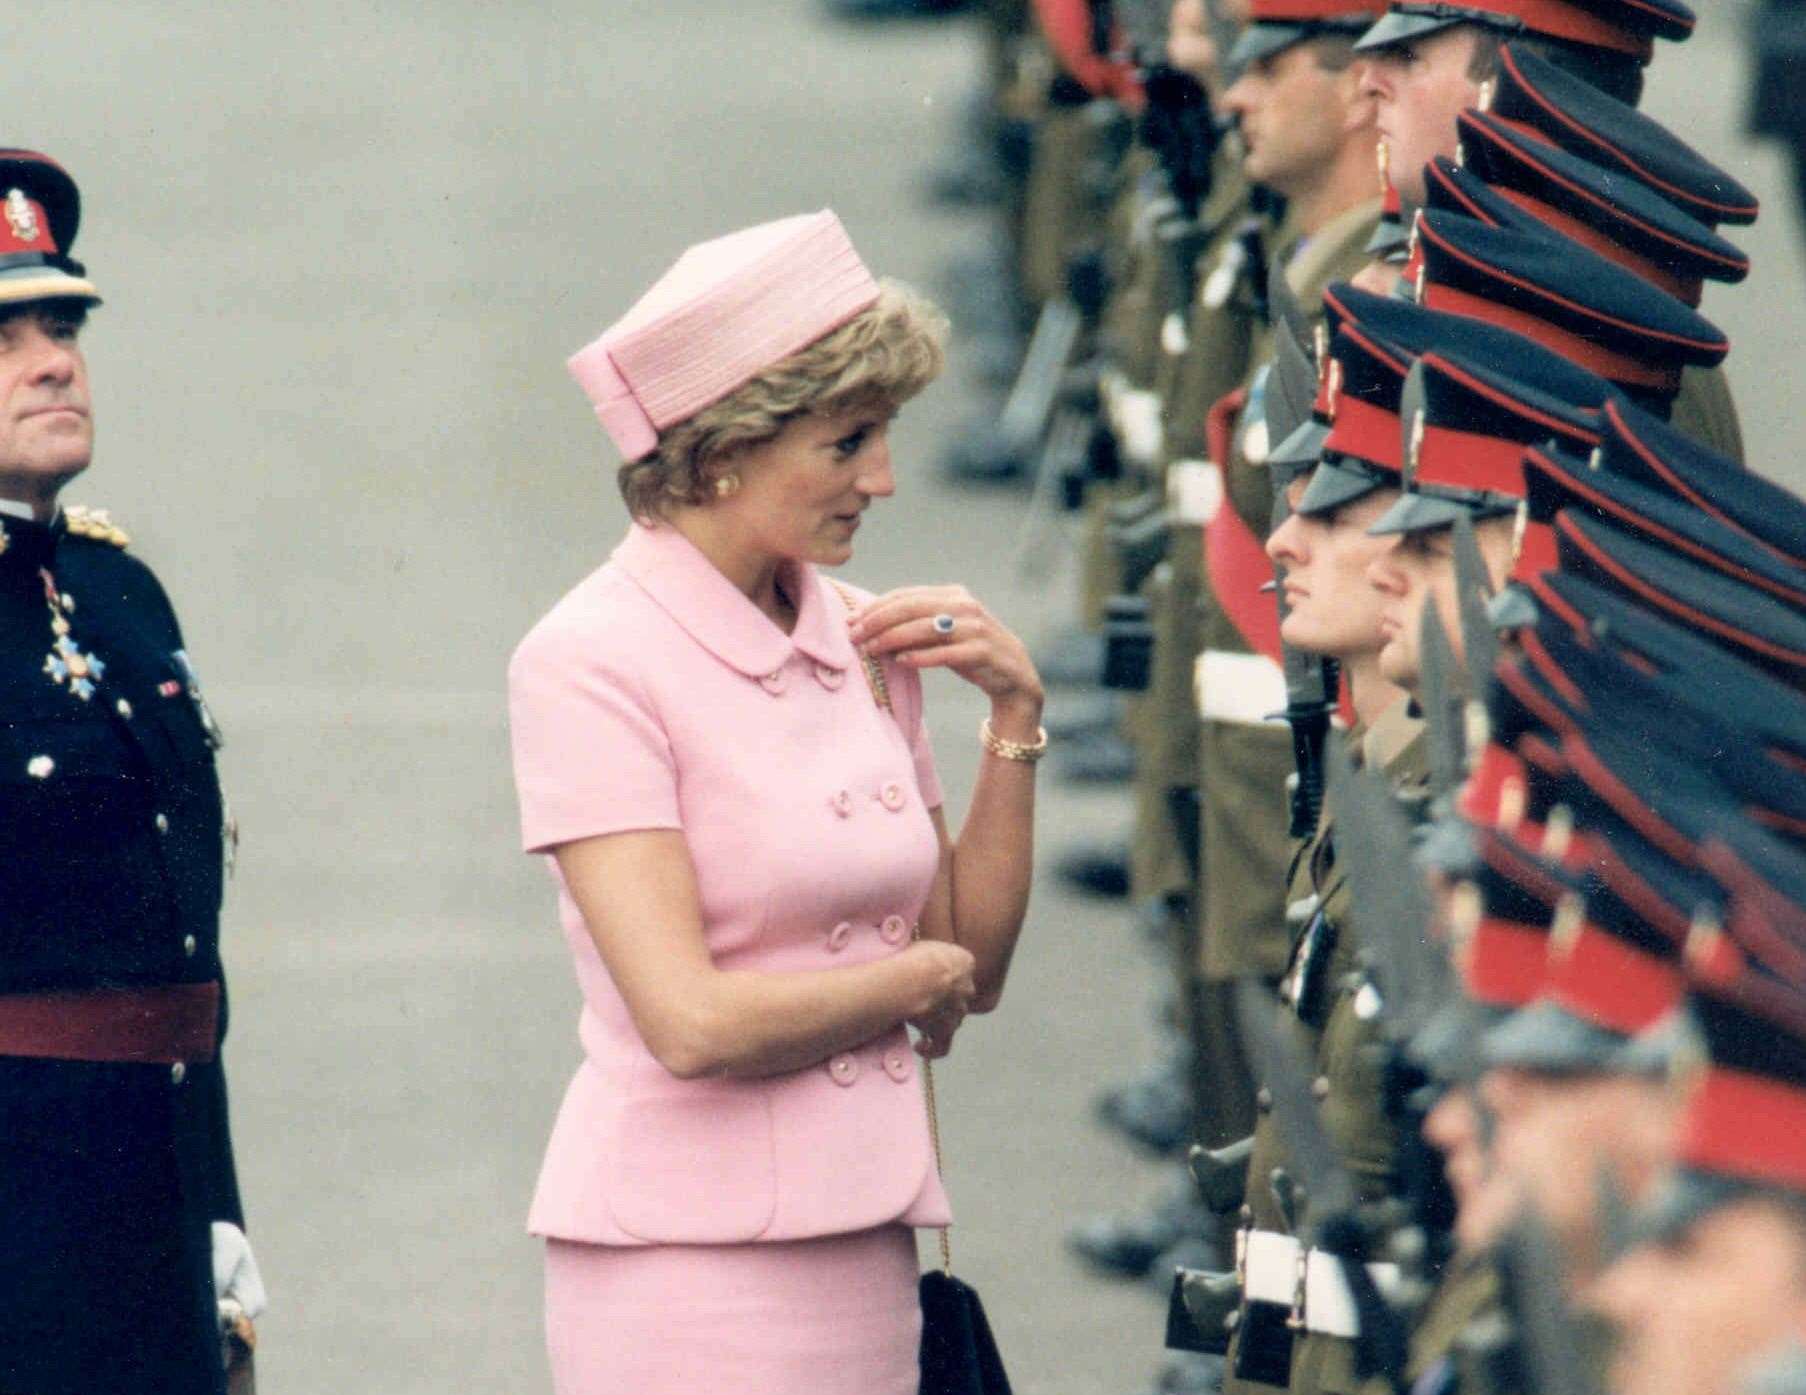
[959, 1356]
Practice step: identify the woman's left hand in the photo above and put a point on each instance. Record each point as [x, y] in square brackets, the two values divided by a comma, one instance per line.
[982, 650]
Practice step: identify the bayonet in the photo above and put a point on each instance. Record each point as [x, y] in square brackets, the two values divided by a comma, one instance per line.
[1473, 593]
[1438, 697]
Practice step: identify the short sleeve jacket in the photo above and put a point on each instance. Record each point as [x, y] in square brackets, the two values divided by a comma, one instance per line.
[657, 696]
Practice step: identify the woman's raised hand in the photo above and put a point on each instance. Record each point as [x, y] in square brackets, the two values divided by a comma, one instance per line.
[947, 627]
[947, 991]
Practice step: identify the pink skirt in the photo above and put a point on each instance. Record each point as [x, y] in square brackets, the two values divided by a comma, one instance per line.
[835, 1316]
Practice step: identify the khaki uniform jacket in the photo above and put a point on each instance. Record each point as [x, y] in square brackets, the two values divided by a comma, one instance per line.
[1243, 766]
[1348, 1071]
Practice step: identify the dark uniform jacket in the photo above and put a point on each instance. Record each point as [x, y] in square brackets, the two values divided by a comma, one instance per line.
[111, 841]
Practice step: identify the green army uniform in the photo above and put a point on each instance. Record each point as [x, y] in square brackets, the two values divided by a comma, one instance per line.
[1705, 412]
[1243, 766]
[1456, 1341]
[1208, 353]
[1063, 210]
[1320, 981]
[1349, 1060]
[1203, 344]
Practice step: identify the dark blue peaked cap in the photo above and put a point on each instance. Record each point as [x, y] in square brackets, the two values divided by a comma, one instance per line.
[1602, 209]
[1711, 747]
[1467, 434]
[1556, 480]
[1565, 297]
[1751, 624]
[1417, 330]
[1653, 453]
[1714, 678]
[1626, 27]
[1571, 113]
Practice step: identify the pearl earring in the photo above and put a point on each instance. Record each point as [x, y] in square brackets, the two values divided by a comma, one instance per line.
[727, 486]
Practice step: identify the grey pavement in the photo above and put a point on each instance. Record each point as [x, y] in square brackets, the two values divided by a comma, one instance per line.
[347, 249]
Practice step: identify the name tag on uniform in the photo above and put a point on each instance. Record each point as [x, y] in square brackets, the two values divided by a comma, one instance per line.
[1194, 492]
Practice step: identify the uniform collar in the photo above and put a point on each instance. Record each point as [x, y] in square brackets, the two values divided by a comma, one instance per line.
[719, 616]
[1394, 739]
[26, 544]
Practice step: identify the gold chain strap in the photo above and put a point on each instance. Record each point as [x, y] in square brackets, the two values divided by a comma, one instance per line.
[875, 680]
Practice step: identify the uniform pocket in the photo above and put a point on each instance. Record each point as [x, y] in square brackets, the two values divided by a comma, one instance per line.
[694, 1169]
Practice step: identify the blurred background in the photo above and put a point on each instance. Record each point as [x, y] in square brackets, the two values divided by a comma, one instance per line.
[346, 250]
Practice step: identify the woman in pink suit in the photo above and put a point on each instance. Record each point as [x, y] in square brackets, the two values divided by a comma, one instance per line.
[755, 876]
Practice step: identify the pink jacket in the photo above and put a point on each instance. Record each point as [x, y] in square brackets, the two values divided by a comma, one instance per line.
[656, 695]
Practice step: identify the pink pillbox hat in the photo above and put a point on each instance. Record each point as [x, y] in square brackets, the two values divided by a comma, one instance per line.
[726, 311]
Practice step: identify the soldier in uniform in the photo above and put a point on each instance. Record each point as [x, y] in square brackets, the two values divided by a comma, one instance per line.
[1710, 1296]
[1310, 138]
[116, 1172]
[1579, 62]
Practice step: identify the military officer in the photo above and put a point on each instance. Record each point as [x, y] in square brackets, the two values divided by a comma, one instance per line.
[116, 1171]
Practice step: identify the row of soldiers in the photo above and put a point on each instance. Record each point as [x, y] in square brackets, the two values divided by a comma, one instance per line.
[1465, 676]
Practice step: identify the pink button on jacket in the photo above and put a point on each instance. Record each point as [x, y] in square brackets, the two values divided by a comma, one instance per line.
[656, 695]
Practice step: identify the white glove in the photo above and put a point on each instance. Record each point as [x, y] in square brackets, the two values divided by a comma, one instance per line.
[235, 1273]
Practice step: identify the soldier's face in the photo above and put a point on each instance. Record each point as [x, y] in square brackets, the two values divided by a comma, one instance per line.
[1418, 89]
[1418, 572]
[46, 425]
[1294, 115]
[1558, 1133]
[1331, 606]
[1485, 1199]
[1693, 1314]
[803, 493]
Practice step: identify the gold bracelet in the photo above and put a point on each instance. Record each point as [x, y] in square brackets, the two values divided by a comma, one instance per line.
[1026, 752]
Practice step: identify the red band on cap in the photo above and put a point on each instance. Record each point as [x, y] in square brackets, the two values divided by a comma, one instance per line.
[1366, 432]
[1505, 964]
[1536, 552]
[1746, 1126]
[1687, 289]
[1613, 982]
[1305, 11]
[25, 226]
[1462, 460]
[1496, 781]
[1568, 22]
[1620, 368]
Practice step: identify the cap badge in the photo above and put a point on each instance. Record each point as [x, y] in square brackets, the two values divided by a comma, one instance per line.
[21, 217]
[1466, 908]
[1570, 916]
[1558, 833]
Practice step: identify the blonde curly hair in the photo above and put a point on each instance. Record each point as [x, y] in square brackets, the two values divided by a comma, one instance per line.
[881, 358]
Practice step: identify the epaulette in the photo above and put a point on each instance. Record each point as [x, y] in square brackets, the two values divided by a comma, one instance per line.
[95, 524]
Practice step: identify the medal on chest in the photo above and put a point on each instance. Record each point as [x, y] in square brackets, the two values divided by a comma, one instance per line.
[66, 664]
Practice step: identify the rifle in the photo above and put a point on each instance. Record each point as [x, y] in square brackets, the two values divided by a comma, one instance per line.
[1334, 1223]
[1312, 681]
